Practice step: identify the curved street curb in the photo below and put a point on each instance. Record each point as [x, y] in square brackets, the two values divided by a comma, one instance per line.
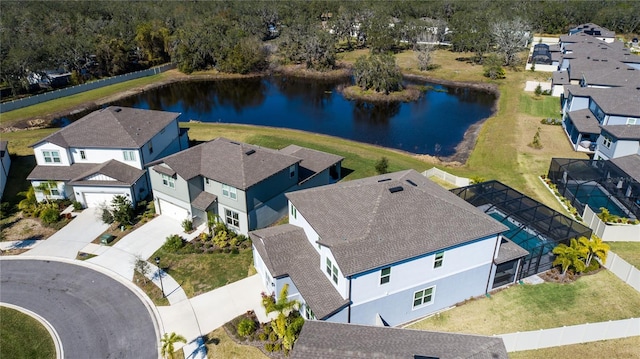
[57, 343]
[153, 312]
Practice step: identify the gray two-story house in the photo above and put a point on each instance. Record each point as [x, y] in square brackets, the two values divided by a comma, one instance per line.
[242, 184]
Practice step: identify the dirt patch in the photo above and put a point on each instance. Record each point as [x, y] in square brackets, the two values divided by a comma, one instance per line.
[554, 275]
[20, 228]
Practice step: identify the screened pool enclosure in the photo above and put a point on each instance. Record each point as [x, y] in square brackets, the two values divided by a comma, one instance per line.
[533, 226]
[599, 184]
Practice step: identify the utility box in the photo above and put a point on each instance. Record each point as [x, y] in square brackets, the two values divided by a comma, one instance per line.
[106, 238]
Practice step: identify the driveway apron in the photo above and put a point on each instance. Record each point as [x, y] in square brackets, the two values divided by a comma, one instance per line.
[66, 243]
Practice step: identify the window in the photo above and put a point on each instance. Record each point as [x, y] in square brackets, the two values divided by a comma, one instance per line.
[83, 155]
[437, 262]
[168, 181]
[308, 313]
[129, 155]
[53, 188]
[606, 141]
[232, 218]
[632, 121]
[423, 297]
[292, 171]
[385, 275]
[150, 147]
[206, 180]
[332, 271]
[51, 156]
[294, 212]
[230, 192]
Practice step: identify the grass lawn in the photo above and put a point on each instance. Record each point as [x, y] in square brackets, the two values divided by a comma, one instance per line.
[24, 337]
[198, 273]
[540, 106]
[629, 251]
[594, 298]
[220, 345]
[615, 348]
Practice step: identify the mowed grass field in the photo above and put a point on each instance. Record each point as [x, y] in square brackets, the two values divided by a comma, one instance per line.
[23, 337]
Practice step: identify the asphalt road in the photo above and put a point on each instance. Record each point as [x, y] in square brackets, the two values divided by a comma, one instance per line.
[94, 315]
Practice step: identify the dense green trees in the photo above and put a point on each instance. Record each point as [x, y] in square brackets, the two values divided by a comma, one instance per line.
[103, 38]
[377, 72]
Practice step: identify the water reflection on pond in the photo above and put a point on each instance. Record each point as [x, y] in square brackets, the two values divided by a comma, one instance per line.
[434, 124]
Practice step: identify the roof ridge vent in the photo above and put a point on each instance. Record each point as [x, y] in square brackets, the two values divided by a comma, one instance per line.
[396, 189]
[250, 152]
[412, 183]
[235, 143]
[117, 109]
[384, 180]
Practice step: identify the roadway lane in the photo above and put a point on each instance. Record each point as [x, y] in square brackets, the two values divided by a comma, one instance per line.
[94, 315]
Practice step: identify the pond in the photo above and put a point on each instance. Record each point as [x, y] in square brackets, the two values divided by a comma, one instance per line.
[435, 124]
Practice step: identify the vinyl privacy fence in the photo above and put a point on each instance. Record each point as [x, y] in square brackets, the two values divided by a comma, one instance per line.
[68, 91]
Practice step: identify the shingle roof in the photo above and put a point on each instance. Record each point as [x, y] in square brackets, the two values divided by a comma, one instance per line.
[204, 200]
[112, 127]
[614, 76]
[286, 251]
[629, 164]
[560, 78]
[336, 340]
[76, 174]
[585, 121]
[313, 161]
[236, 164]
[623, 132]
[621, 101]
[509, 251]
[377, 221]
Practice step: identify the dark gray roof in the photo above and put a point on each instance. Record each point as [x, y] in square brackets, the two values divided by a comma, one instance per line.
[204, 200]
[509, 251]
[77, 174]
[59, 173]
[585, 121]
[164, 170]
[623, 132]
[313, 161]
[112, 127]
[560, 78]
[629, 164]
[619, 76]
[236, 164]
[377, 221]
[336, 340]
[286, 251]
[592, 29]
[622, 101]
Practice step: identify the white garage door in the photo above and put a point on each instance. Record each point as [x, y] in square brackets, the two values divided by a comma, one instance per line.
[171, 210]
[97, 199]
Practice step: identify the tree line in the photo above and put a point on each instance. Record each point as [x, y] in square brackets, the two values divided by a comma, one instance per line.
[92, 39]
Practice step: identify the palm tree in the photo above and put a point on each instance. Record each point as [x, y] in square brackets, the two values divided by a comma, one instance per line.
[570, 256]
[168, 340]
[596, 248]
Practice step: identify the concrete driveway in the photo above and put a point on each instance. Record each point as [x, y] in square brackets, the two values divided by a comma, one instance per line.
[144, 241]
[66, 243]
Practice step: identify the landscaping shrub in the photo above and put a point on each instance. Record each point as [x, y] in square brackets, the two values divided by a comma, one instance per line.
[273, 337]
[173, 243]
[263, 336]
[107, 217]
[77, 206]
[246, 327]
[50, 215]
[187, 225]
[268, 347]
[277, 347]
[382, 166]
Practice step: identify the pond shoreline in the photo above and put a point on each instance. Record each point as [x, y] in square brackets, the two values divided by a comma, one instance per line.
[460, 156]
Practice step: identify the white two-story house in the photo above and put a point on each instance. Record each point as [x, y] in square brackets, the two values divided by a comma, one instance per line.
[383, 250]
[104, 154]
[242, 184]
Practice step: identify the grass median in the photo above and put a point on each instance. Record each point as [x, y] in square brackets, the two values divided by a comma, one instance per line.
[24, 337]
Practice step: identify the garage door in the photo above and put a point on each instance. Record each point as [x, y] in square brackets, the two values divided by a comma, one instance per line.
[97, 199]
[171, 210]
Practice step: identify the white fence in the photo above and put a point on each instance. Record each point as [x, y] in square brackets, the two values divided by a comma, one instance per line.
[623, 270]
[610, 232]
[574, 334]
[445, 176]
[68, 91]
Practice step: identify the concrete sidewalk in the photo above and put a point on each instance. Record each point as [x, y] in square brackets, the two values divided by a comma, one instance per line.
[66, 243]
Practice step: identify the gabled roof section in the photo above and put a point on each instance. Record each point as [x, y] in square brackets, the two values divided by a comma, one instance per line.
[585, 121]
[236, 164]
[313, 161]
[59, 173]
[204, 200]
[509, 251]
[377, 221]
[286, 251]
[629, 164]
[621, 101]
[336, 340]
[623, 132]
[122, 174]
[112, 127]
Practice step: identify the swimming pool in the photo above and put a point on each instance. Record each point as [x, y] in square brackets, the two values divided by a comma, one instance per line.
[529, 241]
[595, 197]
